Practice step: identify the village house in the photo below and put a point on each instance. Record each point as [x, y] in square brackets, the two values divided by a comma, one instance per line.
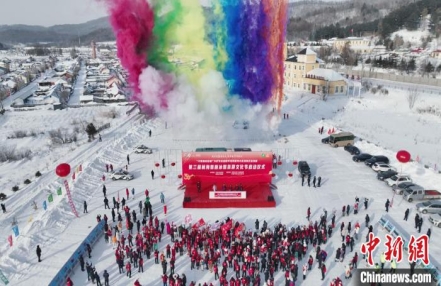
[306, 72]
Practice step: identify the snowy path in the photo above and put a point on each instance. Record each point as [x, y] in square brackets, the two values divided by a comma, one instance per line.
[45, 228]
[79, 86]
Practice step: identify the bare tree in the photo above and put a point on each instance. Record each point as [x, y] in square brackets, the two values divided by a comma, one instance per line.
[412, 97]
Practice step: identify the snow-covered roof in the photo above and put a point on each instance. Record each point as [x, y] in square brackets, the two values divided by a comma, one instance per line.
[327, 74]
[307, 51]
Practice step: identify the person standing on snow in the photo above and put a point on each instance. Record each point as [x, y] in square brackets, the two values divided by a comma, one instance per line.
[133, 193]
[38, 253]
[81, 262]
[387, 204]
[313, 181]
[3, 208]
[153, 174]
[106, 203]
[319, 181]
[128, 159]
[85, 207]
[106, 278]
[162, 197]
[406, 214]
[104, 190]
[163, 163]
[309, 180]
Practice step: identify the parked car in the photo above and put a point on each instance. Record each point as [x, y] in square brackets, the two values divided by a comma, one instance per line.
[121, 175]
[396, 179]
[402, 190]
[304, 168]
[413, 193]
[352, 150]
[433, 207]
[383, 175]
[381, 167]
[402, 186]
[325, 140]
[361, 157]
[374, 159]
[435, 219]
[143, 149]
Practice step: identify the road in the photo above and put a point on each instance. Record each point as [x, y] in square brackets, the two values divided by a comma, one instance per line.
[404, 85]
[79, 86]
[26, 91]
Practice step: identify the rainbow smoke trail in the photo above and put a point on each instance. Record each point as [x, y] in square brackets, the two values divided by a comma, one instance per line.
[132, 22]
[242, 39]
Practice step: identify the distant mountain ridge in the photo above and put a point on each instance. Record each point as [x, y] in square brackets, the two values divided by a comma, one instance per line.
[98, 30]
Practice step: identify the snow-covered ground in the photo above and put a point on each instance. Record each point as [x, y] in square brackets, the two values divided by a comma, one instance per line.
[384, 120]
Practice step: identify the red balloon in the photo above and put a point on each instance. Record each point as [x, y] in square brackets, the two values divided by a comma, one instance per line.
[273, 175]
[63, 170]
[290, 174]
[403, 156]
[294, 163]
[279, 163]
[173, 163]
[163, 176]
[157, 164]
[180, 176]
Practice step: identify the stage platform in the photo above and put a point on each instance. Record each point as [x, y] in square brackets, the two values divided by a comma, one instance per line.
[257, 196]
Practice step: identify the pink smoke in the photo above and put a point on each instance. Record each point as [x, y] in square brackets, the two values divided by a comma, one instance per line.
[132, 22]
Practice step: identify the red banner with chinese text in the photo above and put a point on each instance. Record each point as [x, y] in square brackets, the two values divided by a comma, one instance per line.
[227, 167]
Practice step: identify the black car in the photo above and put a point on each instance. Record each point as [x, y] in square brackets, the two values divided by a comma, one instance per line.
[304, 168]
[386, 174]
[361, 157]
[325, 140]
[375, 159]
[352, 150]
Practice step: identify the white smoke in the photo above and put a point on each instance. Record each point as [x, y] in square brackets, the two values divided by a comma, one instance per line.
[202, 111]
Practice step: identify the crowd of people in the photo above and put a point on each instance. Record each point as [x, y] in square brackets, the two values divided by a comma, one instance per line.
[234, 254]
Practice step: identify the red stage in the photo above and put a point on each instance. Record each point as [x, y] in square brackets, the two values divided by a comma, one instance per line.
[253, 170]
[257, 197]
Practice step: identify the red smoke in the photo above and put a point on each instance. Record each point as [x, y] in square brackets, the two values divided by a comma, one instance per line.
[132, 22]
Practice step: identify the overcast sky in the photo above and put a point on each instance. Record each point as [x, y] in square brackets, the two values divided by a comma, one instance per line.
[49, 12]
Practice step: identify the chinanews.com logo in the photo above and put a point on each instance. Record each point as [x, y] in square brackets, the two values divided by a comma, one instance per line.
[417, 254]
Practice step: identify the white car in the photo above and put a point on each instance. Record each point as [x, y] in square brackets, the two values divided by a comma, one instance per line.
[436, 220]
[398, 179]
[143, 149]
[382, 167]
[121, 175]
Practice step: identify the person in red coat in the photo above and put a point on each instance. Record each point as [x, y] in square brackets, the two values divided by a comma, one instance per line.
[127, 193]
[129, 269]
[137, 283]
[164, 279]
[69, 282]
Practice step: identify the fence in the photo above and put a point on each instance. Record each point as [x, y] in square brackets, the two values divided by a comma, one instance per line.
[392, 77]
[132, 109]
[395, 231]
[69, 266]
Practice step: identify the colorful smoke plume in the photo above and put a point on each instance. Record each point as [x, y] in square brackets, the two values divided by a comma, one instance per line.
[230, 50]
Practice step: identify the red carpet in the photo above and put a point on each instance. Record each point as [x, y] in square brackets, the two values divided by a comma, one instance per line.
[257, 197]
